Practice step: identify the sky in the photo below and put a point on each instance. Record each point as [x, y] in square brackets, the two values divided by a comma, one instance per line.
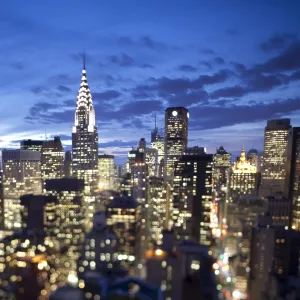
[233, 64]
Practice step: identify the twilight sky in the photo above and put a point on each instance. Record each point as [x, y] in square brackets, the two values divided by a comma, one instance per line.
[234, 64]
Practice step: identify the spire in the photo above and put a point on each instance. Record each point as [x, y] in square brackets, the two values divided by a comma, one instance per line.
[155, 120]
[83, 60]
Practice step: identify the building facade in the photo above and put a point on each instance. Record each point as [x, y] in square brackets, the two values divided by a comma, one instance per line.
[176, 137]
[21, 175]
[106, 164]
[274, 157]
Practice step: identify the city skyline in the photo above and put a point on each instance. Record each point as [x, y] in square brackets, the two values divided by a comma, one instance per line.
[140, 60]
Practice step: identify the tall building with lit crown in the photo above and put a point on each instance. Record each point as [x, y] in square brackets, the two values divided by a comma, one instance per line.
[158, 143]
[85, 143]
[106, 165]
[21, 175]
[192, 204]
[176, 137]
[52, 159]
[274, 157]
[292, 180]
[242, 179]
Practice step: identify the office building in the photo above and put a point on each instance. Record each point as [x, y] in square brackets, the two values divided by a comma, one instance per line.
[123, 216]
[34, 145]
[176, 137]
[279, 209]
[192, 202]
[85, 144]
[65, 219]
[292, 179]
[150, 157]
[68, 164]
[243, 179]
[21, 175]
[222, 162]
[254, 157]
[274, 157]
[106, 165]
[158, 211]
[100, 248]
[184, 270]
[52, 159]
[158, 143]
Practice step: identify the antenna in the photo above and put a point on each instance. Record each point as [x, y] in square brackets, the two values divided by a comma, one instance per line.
[155, 120]
[45, 134]
[83, 60]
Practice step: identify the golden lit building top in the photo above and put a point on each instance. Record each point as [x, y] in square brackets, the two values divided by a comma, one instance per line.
[242, 165]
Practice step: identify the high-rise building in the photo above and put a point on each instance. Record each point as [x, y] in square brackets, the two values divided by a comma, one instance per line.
[222, 162]
[292, 180]
[65, 219]
[106, 165]
[254, 157]
[68, 164]
[176, 137]
[34, 145]
[243, 179]
[85, 144]
[193, 195]
[124, 217]
[21, 175]
[158, 143]
[100, 248]
[52, 159]
[274, 157]
[158, 209]
[149, 156]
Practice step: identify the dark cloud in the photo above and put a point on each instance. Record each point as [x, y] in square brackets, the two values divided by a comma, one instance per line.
[263, 83]
[207, 51]
[219, 60]
[189, 98]
[216, 117]
[147, 66]
[40, 108]
[287, 60]
[277, 42]
[126, 40]
[18, 66]
[232, 32]
[63, 88]
[123, 60]
[39, 89]
[206, 64]
[187, 68]
[107, 95]
[135, 122]
[240, 68]
[234, 91]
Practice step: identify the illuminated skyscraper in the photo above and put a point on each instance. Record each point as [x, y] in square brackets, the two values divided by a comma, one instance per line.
[158, 143]
[292, 183]
[222, 162]
[193, 195]
[34, 145]
[176, 137]
[21, 175]
[124, 217]
[68, 164]
[65, 218]
[274, 157]
[106, 166]
[52, 159]
[150, 157]
[242, 179]
[85, 146]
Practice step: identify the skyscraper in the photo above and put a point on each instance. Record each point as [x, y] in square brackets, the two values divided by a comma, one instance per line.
[85, 145]
[35, 145]
[275, 156]
[176, 136]
[292, 180]
[52, 159]
[193, 195]
[158, 143]
[222, 162]
[21, 175]
[106, 165]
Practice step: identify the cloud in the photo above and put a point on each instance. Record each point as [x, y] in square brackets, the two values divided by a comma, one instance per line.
[118, 143]
[123, 60]
[18, 66]
[63, 88]
[107, 95]
[187, 68]
[277, 42]
[147, 66]
[207, 51]
[189, 98]
[217, 117]
[39, 89]
[206, 64]
[234, 91]
[287, 60]
[219, 60]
